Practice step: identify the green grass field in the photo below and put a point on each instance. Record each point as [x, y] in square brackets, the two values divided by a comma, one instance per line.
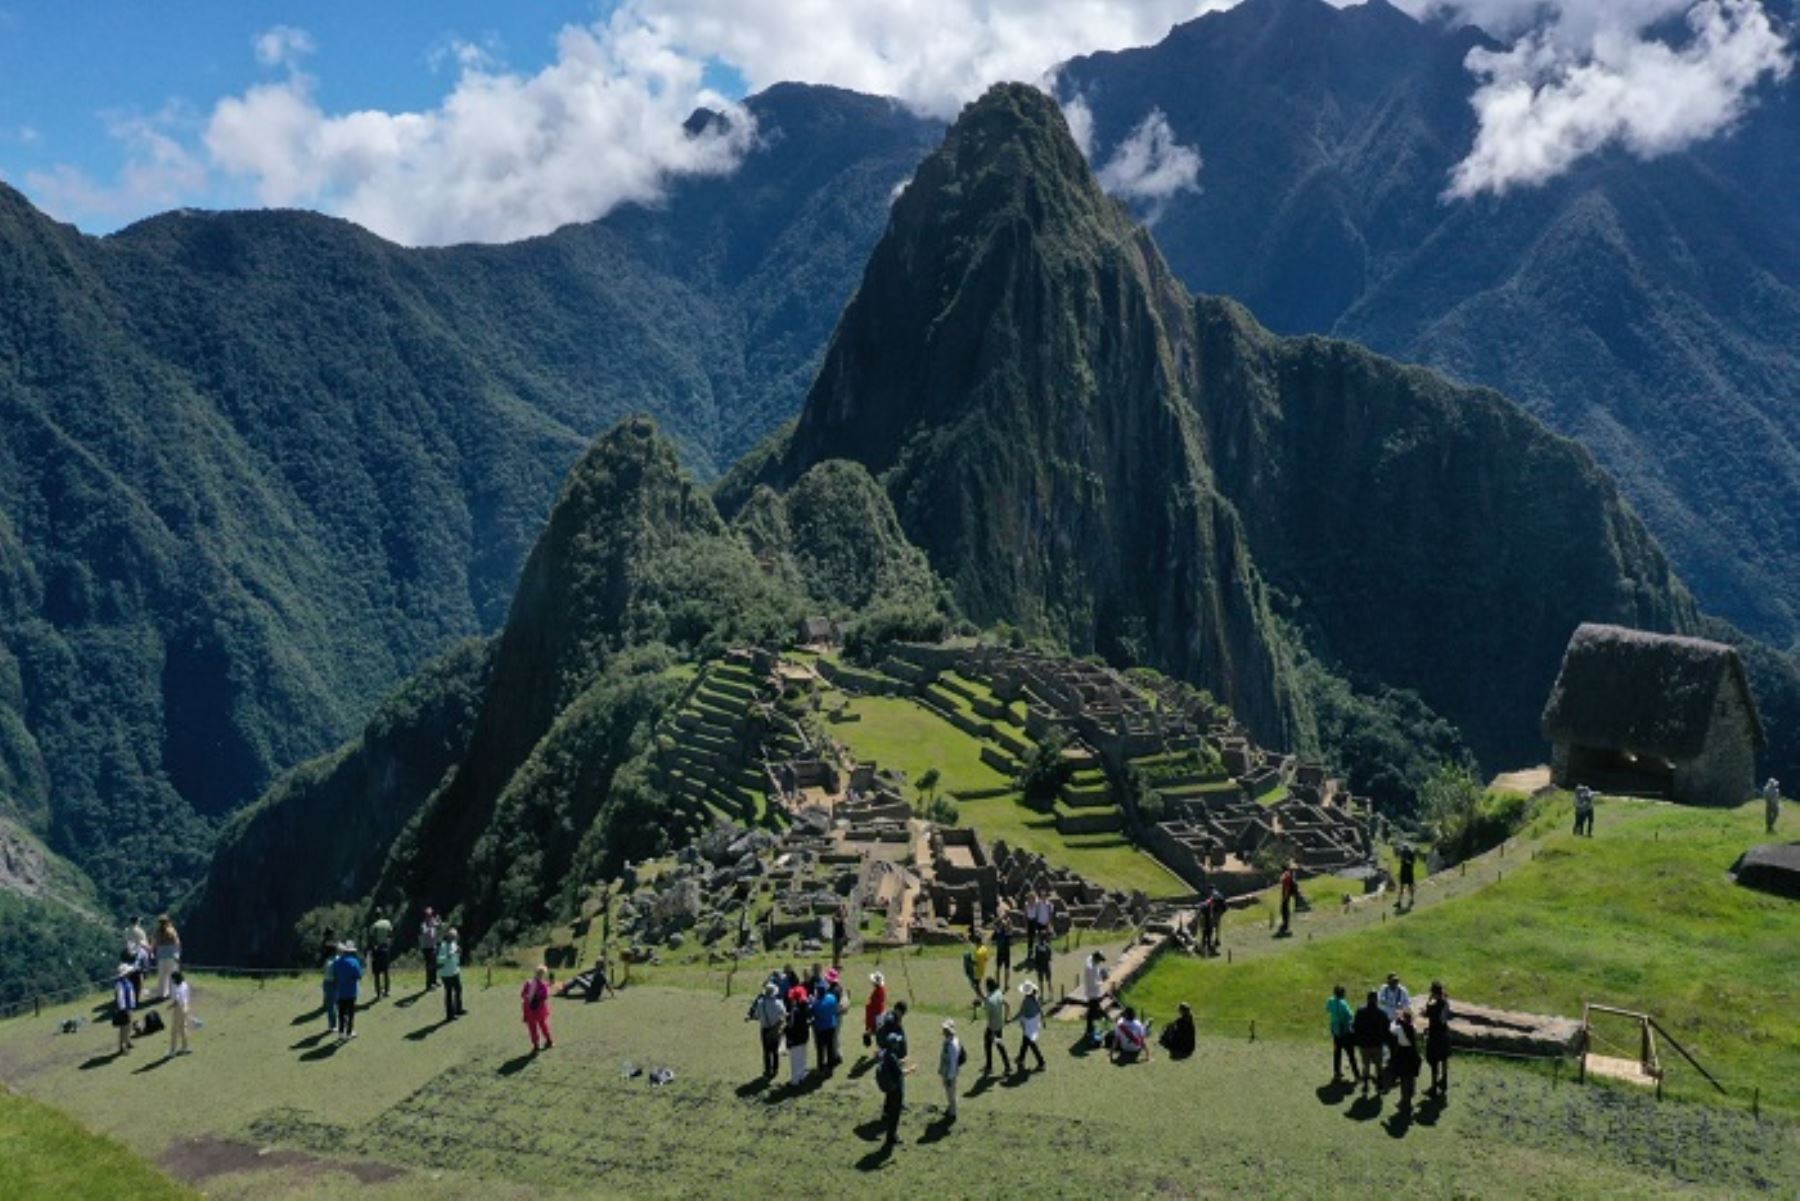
[1641, 917]
[1109, 860]
[416, 1108]
[46, 1153]
[901, 733]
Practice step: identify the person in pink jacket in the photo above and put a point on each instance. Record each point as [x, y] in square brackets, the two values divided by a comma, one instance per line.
[534, 999]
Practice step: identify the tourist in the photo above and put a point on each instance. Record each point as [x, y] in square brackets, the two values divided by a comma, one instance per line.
[1584, 811]
[349, 971]
[840, 922]
[968, 967]
[1437, 1040]
[1003, 953]
[1130, 1038]
[328, 988]
[1394, 997]
[449, 973]
[770, 1016]
[815, 982]
[891, 1071]
[1031, 1025]
[125, 1001]
[598, 983]
[950, 1061]
[1043, 955]
[429, 927]
[893, 1025]
[1290, 889]
[381, 953]
[1342, 1021]
[1408, 876]
[1216, 900]
[168, 954]
[994, 1035]
[1206, 925]
[1370, 1028]
[834, 984]
[1178, 1037]
[135, 936]
[1093, 988]
[1037, 916]
[825, 1022]
[874, 1008]
[799, 1025]
[1771, 794]
[181, 1001]
[534, 1004]
[1404, 1040]
[790, 979]
[139, 959]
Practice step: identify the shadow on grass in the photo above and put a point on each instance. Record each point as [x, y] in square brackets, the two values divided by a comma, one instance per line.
[1399, 1124]
[982, 1085]
[518, 1063]
[873, 1161]
[151, 1066]
[425, 1032]
[99, 1061]
[751, 1087]
[1336, 1091]
[939, 1129]
[311, 1015]
[871, 1130]
[1082, 1047]
[813, 1083]
[1365, 1109]
[1431, 1110]
[408, 1002]
[862, 1067]
[322, 1052]
[313, 1041]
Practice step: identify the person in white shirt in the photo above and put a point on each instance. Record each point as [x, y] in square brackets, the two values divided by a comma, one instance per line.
[1393, 997]
[1093, 987]
[180, 1003]
[950, 1061]
[1771, 792]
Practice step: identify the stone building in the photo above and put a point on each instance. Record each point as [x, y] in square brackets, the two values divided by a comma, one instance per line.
[1653, 715]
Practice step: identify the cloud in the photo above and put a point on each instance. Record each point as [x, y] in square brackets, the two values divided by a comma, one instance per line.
[1150, 167]
[1593, 78]
[502, 156]
[282, 46]
[159, 171]
[1080, 119]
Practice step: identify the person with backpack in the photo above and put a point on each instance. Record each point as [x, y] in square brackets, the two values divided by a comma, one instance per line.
[1342, 1021]
[125, 1001]
[770, 1016]
[891, 1071]
[429, 928]
[1370, 1027]
[1031, 1024]
[381, 951]
[993, 1036]
[534, 1005]
[1178, 1037]
[1043, 956]
[950, 1062]
[328, 989]
[1437, 1039]
[893, 1025]
[1093, 988]
[181, 1004]
[449, 974]
[349, 971]
[1404, 1039]
[799, 1024]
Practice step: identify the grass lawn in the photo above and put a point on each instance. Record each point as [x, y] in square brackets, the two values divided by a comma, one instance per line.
[415, 1108]
[1109, 860]
[46, 1153]
[900, 733]
[1642, 916]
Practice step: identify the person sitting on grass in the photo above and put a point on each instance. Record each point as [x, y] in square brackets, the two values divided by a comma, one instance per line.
[1178, 1037]
[1130, 1038]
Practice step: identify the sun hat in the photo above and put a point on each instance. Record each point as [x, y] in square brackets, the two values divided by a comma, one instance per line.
[950, 1025]
[125, 969]
[877, 978]
[1028, 988]
[348, 947]
[831, 975]
[770, 989]
[796, 993]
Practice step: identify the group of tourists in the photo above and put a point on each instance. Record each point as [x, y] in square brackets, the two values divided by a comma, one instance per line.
[1383, 1043]
[794, 1012]
[344, 968]
[142, 954]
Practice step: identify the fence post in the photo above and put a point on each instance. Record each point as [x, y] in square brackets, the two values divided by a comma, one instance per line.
[490, 977]
[37, 1006]
[1756, 1104]
[1252, 1029]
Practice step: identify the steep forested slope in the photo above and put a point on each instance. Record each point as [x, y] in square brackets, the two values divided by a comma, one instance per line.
[1649, 309]
[256, 467]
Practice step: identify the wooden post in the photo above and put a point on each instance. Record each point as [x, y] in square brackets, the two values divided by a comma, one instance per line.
[37, 1006]
[1252, 1029]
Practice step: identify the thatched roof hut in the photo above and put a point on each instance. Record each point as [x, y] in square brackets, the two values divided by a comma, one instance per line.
[1638, 712]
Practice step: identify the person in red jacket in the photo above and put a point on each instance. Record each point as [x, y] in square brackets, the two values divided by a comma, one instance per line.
[534, 1001]
[874, 1007]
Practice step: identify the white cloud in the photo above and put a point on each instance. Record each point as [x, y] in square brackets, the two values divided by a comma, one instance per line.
[1591, 78]
[1150, 167]
[1080, 119]
[503, 156]
[282, 46]
[159, 171]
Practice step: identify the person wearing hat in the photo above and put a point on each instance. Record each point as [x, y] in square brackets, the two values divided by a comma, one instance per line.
[328, 985]
[950, 1061]
[799, 1025]
[1178, 1037]
[770, 1016]
[834, 984]
[825, 1018]
[1771, 794]
[125, 1000]
[349, 971]
[1031, 1024]
[1093, 987]
[449, 972]
[874, 1007]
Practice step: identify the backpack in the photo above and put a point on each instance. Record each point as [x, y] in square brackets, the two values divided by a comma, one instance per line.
[962, 1055]
[152, 1024]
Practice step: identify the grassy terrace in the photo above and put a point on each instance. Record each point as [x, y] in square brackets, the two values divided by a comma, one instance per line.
[1642, 916]
[1107, 859]
[900, 733]
[418, 1109]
